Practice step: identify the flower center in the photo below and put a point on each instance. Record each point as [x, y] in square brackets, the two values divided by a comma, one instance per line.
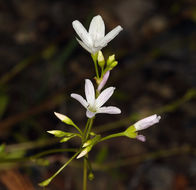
[92, 108]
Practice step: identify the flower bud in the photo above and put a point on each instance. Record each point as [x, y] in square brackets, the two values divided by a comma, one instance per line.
[90, 176]
[147, 122]
[104, 80]
[64, 118]
[110, 59]
[100, 59]
[84, 151]
[112, 65]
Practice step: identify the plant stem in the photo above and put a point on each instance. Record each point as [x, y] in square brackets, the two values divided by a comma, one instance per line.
[89, 127]
[112, 136]
[85, 174]
[85, 137]
[47, 181]
[85, 130]
[95, 63]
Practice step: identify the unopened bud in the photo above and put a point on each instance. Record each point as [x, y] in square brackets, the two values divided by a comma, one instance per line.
[104, 80]
[113, 65]
[101, 60]
[111, 59]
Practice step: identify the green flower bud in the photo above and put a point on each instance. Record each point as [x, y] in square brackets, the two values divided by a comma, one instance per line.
[112, 65]
[110, 59]
[64, 118]
[84, 151]
[101, 60]
[91, 176]
[59, 133]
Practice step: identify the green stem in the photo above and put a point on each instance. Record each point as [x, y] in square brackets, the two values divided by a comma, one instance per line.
[85, 174]
[112, 136]
[86, 133]
[77, 129]
[89, 128]
[52, 151]
[95, 63]
[47, 181]
[85, 130]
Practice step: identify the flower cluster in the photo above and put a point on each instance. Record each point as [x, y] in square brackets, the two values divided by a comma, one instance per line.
[93, 41]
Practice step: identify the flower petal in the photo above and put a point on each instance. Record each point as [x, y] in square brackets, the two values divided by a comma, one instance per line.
[147, 122]
[109, 110]
[90, 114]
[97, 28]
[104, 80]
[141, 138]
[82, 33]
[85, 46]
[80, 99]
[110, 36]
[104, 96]
[89, 92]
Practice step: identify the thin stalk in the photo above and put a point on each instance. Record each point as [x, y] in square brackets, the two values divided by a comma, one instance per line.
[85, 130]
[112, 136]
[86, 133]
[77, 129]
[96, 69]
[94, 56]
[85, 174]
[47, 181]
[89, 128]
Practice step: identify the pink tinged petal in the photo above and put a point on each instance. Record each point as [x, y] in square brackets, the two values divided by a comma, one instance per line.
[90, 50]
[90, 114]
[89, 92]
[80, 99]
[104, 80]
[97, 28]
[147, 122]
[141, 138]
[109, 110]
[82, 33]
[110, 36]
[104, 96]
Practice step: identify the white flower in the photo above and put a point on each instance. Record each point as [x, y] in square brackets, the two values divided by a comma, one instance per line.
[92, 104]
[147, 122]
[95, 39]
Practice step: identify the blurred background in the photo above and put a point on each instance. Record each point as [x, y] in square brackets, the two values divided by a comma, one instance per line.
[41, 64]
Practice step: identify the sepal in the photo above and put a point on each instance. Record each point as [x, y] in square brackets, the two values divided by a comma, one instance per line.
[131, 132]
